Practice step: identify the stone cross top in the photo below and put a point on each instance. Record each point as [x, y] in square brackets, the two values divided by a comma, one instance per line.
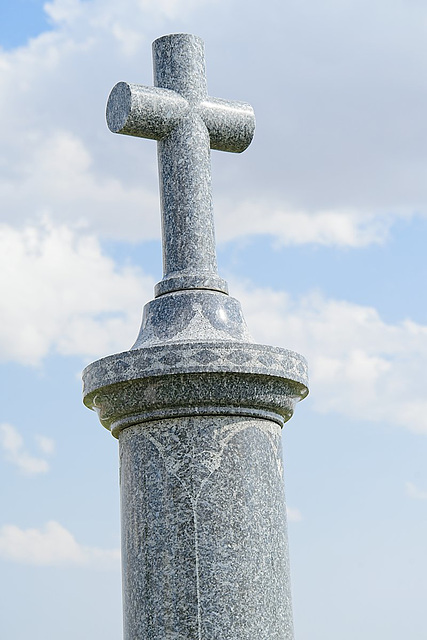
[187, 123]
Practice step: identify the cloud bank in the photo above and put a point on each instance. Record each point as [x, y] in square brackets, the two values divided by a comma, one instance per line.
[63, 295]
[360, 366]
[52, 546]
[340, 148]
[66, 296]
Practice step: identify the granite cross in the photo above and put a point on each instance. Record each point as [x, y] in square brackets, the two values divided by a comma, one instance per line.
[187, 123]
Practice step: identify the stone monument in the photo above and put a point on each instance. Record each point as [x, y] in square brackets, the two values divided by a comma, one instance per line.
[196, 405]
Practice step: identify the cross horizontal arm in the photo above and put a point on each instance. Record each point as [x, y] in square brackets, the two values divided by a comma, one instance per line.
[230, 124]
[153, 112]
[145, 112]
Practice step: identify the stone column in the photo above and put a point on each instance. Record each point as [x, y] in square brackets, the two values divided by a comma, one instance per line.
[204, 529]
[197, 406]
[204, 541]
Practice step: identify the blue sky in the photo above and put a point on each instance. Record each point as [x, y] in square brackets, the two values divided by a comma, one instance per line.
[321, 228]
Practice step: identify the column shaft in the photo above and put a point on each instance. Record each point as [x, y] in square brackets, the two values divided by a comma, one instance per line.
[204, 538]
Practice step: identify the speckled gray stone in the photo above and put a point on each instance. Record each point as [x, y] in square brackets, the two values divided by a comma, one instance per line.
[196, 405]
[203, 509]
[186, 122]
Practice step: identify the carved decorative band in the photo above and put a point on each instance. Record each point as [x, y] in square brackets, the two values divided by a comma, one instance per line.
[196, 357]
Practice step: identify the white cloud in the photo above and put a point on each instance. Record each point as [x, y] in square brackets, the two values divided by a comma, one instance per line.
[52, 545]
[106, 13]
[56, 152]
[58, 292]
[12, 444]
[57, 177]
[414, 492]
[46, 445]
[334, 228]
[360, 366]
[294, 515]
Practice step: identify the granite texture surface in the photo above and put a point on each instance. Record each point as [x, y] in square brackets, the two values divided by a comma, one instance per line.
[196, 405]
[182, 316]
[194, 356]
[204, 543]
[161, 397]
[187, 123]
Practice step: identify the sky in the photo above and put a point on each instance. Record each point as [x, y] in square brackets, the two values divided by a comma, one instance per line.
[321, 228]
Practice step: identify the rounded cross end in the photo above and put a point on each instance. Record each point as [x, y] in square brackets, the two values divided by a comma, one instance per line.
[179, 65]
[118, 107]
[247, 129]
[231, 124]
[177, 38]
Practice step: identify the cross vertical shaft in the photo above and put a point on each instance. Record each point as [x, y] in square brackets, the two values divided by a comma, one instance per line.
[184, 166]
